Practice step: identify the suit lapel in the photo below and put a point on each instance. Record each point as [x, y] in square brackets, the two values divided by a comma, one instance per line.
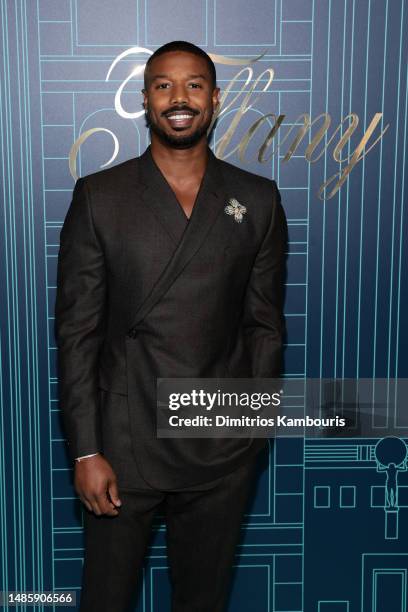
[188, 234]
[160, 198]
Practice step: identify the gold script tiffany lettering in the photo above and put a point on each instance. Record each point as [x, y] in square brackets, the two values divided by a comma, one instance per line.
[356, 156]
[244, 108]
[79, 141]
[137, 71]
[238, 99]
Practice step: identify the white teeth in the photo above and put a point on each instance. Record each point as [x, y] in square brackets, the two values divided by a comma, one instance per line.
[179, 116]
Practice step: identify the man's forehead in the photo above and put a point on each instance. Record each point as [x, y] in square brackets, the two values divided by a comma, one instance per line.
[179, 61]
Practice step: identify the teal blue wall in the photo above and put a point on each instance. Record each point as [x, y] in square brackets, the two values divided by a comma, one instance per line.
[346, 285]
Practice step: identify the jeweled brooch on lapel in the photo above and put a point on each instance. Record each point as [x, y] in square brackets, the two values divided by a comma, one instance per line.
[236, 209]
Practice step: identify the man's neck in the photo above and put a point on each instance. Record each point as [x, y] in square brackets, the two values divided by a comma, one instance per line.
[180, 165]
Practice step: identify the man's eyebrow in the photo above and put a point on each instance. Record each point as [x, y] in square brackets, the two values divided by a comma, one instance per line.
[166, 76]
[159, 76]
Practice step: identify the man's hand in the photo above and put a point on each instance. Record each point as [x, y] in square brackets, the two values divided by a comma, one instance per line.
[95, 483]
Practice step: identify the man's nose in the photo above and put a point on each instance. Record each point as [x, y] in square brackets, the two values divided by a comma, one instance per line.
[179, 94]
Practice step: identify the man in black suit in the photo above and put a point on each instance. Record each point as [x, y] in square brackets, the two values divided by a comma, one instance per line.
[171, 265]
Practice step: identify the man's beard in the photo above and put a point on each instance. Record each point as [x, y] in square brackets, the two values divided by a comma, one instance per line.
[177, 142]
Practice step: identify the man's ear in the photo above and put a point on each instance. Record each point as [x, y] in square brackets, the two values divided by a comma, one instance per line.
[144, 92]
[216, 99]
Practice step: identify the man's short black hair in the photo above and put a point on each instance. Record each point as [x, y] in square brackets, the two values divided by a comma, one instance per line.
[181, 45]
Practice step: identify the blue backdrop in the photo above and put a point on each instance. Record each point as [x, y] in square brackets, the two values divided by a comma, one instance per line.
[315, 537]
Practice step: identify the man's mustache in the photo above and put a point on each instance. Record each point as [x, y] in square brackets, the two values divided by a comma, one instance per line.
[179, 108]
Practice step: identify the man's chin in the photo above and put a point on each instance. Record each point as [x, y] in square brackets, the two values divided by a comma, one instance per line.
[182, 143]
[180, 140]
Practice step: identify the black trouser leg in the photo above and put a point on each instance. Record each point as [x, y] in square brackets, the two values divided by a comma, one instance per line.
[114, 552]
[203, 529]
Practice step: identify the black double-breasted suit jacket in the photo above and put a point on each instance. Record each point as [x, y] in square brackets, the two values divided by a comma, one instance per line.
[143, 293]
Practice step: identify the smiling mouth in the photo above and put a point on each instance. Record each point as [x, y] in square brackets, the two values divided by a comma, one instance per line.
[180, 118]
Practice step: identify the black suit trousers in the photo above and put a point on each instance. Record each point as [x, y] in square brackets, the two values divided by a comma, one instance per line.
[203, 529]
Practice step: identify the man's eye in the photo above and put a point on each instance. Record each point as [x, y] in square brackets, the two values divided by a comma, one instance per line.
[195, 85]
[163, 86]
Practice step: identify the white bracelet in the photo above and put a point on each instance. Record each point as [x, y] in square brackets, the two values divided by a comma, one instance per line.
[85, 457]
